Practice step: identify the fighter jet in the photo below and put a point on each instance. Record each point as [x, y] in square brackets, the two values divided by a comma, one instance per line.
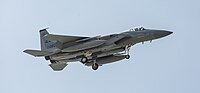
[91, 51]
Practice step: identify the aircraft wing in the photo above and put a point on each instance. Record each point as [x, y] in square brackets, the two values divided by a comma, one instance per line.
[38, 53]
[63, 38]
[83, 46]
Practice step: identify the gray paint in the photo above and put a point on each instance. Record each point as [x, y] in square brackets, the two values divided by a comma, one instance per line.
[93, 49]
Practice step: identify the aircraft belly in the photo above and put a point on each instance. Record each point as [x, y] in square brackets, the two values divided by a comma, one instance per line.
[107, 50]
[83, 46]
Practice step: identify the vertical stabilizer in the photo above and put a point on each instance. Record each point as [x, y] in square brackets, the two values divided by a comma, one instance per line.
[45, 44]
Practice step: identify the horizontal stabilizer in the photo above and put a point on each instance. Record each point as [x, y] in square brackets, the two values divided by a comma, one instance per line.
[37, 53]
[58, 66]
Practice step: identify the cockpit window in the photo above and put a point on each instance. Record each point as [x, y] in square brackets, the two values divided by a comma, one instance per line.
[141, 28]
[137, 29]
[131, 29]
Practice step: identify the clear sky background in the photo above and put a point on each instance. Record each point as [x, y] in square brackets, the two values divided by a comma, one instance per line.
[167, 65]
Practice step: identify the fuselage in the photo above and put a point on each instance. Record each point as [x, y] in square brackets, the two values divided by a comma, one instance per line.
[115, 43]
[91, 51]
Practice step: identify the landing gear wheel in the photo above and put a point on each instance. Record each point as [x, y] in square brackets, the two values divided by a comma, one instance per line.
[47, 58]
[95, 66]
[84, 59]
[127, 56]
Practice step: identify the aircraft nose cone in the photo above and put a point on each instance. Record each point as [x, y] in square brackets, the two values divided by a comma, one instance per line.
[162, 33]
[165, 33]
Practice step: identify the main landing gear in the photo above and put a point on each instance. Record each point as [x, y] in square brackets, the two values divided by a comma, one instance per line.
[84, 60]
[95, 66]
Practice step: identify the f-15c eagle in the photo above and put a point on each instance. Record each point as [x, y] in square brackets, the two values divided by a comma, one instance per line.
[91, 51]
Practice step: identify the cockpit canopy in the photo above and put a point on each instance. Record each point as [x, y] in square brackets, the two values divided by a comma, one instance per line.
[137, 29]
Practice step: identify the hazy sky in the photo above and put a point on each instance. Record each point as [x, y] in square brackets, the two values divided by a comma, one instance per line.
[167, 65]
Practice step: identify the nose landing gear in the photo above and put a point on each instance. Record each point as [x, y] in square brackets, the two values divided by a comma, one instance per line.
[127, 51]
